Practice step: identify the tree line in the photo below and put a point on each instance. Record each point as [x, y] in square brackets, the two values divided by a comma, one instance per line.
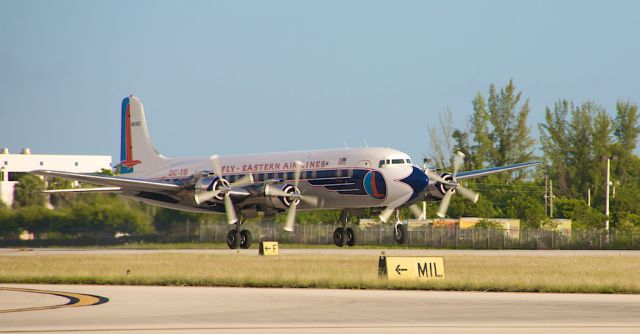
[576, 140]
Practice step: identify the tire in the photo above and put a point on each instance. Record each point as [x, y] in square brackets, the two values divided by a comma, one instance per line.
[400, 234]
[339, 237]
[233, 239]
[351, 237]
[245, 239]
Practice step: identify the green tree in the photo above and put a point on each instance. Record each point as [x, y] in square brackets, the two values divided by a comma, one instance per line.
[500, 130]
[626, 131]
[555, 145]
[61, 199]
[167, 220]
[512, 142]
[28, 191]
[8, 227]
[37, 219]
[480, 130]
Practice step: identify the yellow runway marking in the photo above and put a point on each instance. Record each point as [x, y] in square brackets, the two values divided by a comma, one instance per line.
[75, 300]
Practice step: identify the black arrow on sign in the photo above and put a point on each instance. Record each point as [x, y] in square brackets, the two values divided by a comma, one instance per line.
[398, 269]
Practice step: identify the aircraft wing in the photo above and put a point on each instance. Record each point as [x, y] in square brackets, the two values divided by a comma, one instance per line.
[488, 171]
[83, 190]
[114, 182]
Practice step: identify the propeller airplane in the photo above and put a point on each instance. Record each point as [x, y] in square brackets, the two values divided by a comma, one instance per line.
[242, 186]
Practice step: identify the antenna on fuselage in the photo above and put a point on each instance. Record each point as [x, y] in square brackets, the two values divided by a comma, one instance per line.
[345, 144]
[365, 143]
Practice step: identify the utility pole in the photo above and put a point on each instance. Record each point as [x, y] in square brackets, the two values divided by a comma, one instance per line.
[546, 192]
[551, 199]
[606, 203]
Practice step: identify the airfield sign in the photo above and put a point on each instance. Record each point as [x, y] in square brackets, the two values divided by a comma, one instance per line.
[411, 267]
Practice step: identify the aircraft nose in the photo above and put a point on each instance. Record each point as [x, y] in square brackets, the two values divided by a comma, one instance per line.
[418, 181]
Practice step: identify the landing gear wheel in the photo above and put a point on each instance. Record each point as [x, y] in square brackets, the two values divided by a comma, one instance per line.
[245, 239]
[339, 237]
[351, 237]
[233, 239]
[400, 234]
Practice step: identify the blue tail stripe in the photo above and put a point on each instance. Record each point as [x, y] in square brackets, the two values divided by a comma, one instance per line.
[123, 137]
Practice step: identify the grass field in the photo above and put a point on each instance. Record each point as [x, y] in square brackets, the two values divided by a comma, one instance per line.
[585, 274]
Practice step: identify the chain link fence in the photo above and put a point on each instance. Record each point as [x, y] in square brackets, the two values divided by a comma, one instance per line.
[429, 237]
[422, 236]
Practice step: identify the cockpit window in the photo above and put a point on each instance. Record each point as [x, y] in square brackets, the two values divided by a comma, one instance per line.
[409, 161]
[381, 163]
[397, 161]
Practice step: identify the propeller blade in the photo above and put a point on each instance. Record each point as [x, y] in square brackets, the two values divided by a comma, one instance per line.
[291, 217]
[311, 200]
[243, 181]
[297, 172]
[232, 218]
[458, 160]
[468, 194]
[215, 163]
[444, 205]
[386, 214]
[204, 196]
[436, 177]
[416, 211]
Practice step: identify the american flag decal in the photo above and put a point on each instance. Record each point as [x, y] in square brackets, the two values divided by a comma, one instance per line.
[342, 161]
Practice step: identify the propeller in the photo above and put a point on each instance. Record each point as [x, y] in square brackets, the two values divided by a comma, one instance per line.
[294, 197]
[416, 211]
[388, 211]
[225, 188]
[452, 186]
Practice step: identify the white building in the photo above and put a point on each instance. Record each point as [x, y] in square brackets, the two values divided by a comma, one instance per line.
[13, 165]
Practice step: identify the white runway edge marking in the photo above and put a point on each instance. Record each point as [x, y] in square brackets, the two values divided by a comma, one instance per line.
[75, 299]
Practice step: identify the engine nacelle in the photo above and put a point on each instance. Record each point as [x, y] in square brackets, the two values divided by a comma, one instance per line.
[438, 189]
[282, 202]
[211, 184]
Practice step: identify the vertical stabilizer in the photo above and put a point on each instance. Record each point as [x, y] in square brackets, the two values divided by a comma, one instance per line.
[137, 153]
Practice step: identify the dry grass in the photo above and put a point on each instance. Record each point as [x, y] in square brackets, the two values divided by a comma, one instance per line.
[594, 274]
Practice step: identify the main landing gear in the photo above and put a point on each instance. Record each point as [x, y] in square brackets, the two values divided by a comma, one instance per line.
[239, 237]
[344, 235]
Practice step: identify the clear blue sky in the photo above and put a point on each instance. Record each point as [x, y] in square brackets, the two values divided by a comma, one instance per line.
[222, 77]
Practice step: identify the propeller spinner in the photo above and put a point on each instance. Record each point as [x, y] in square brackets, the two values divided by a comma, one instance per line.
[224, 188]
[294, 196]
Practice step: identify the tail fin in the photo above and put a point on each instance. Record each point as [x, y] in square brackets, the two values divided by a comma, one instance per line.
[137, 153]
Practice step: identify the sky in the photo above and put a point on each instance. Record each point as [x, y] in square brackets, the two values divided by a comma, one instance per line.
[232, 77]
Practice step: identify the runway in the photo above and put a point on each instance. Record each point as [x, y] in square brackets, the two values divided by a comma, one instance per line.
[145, 309]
